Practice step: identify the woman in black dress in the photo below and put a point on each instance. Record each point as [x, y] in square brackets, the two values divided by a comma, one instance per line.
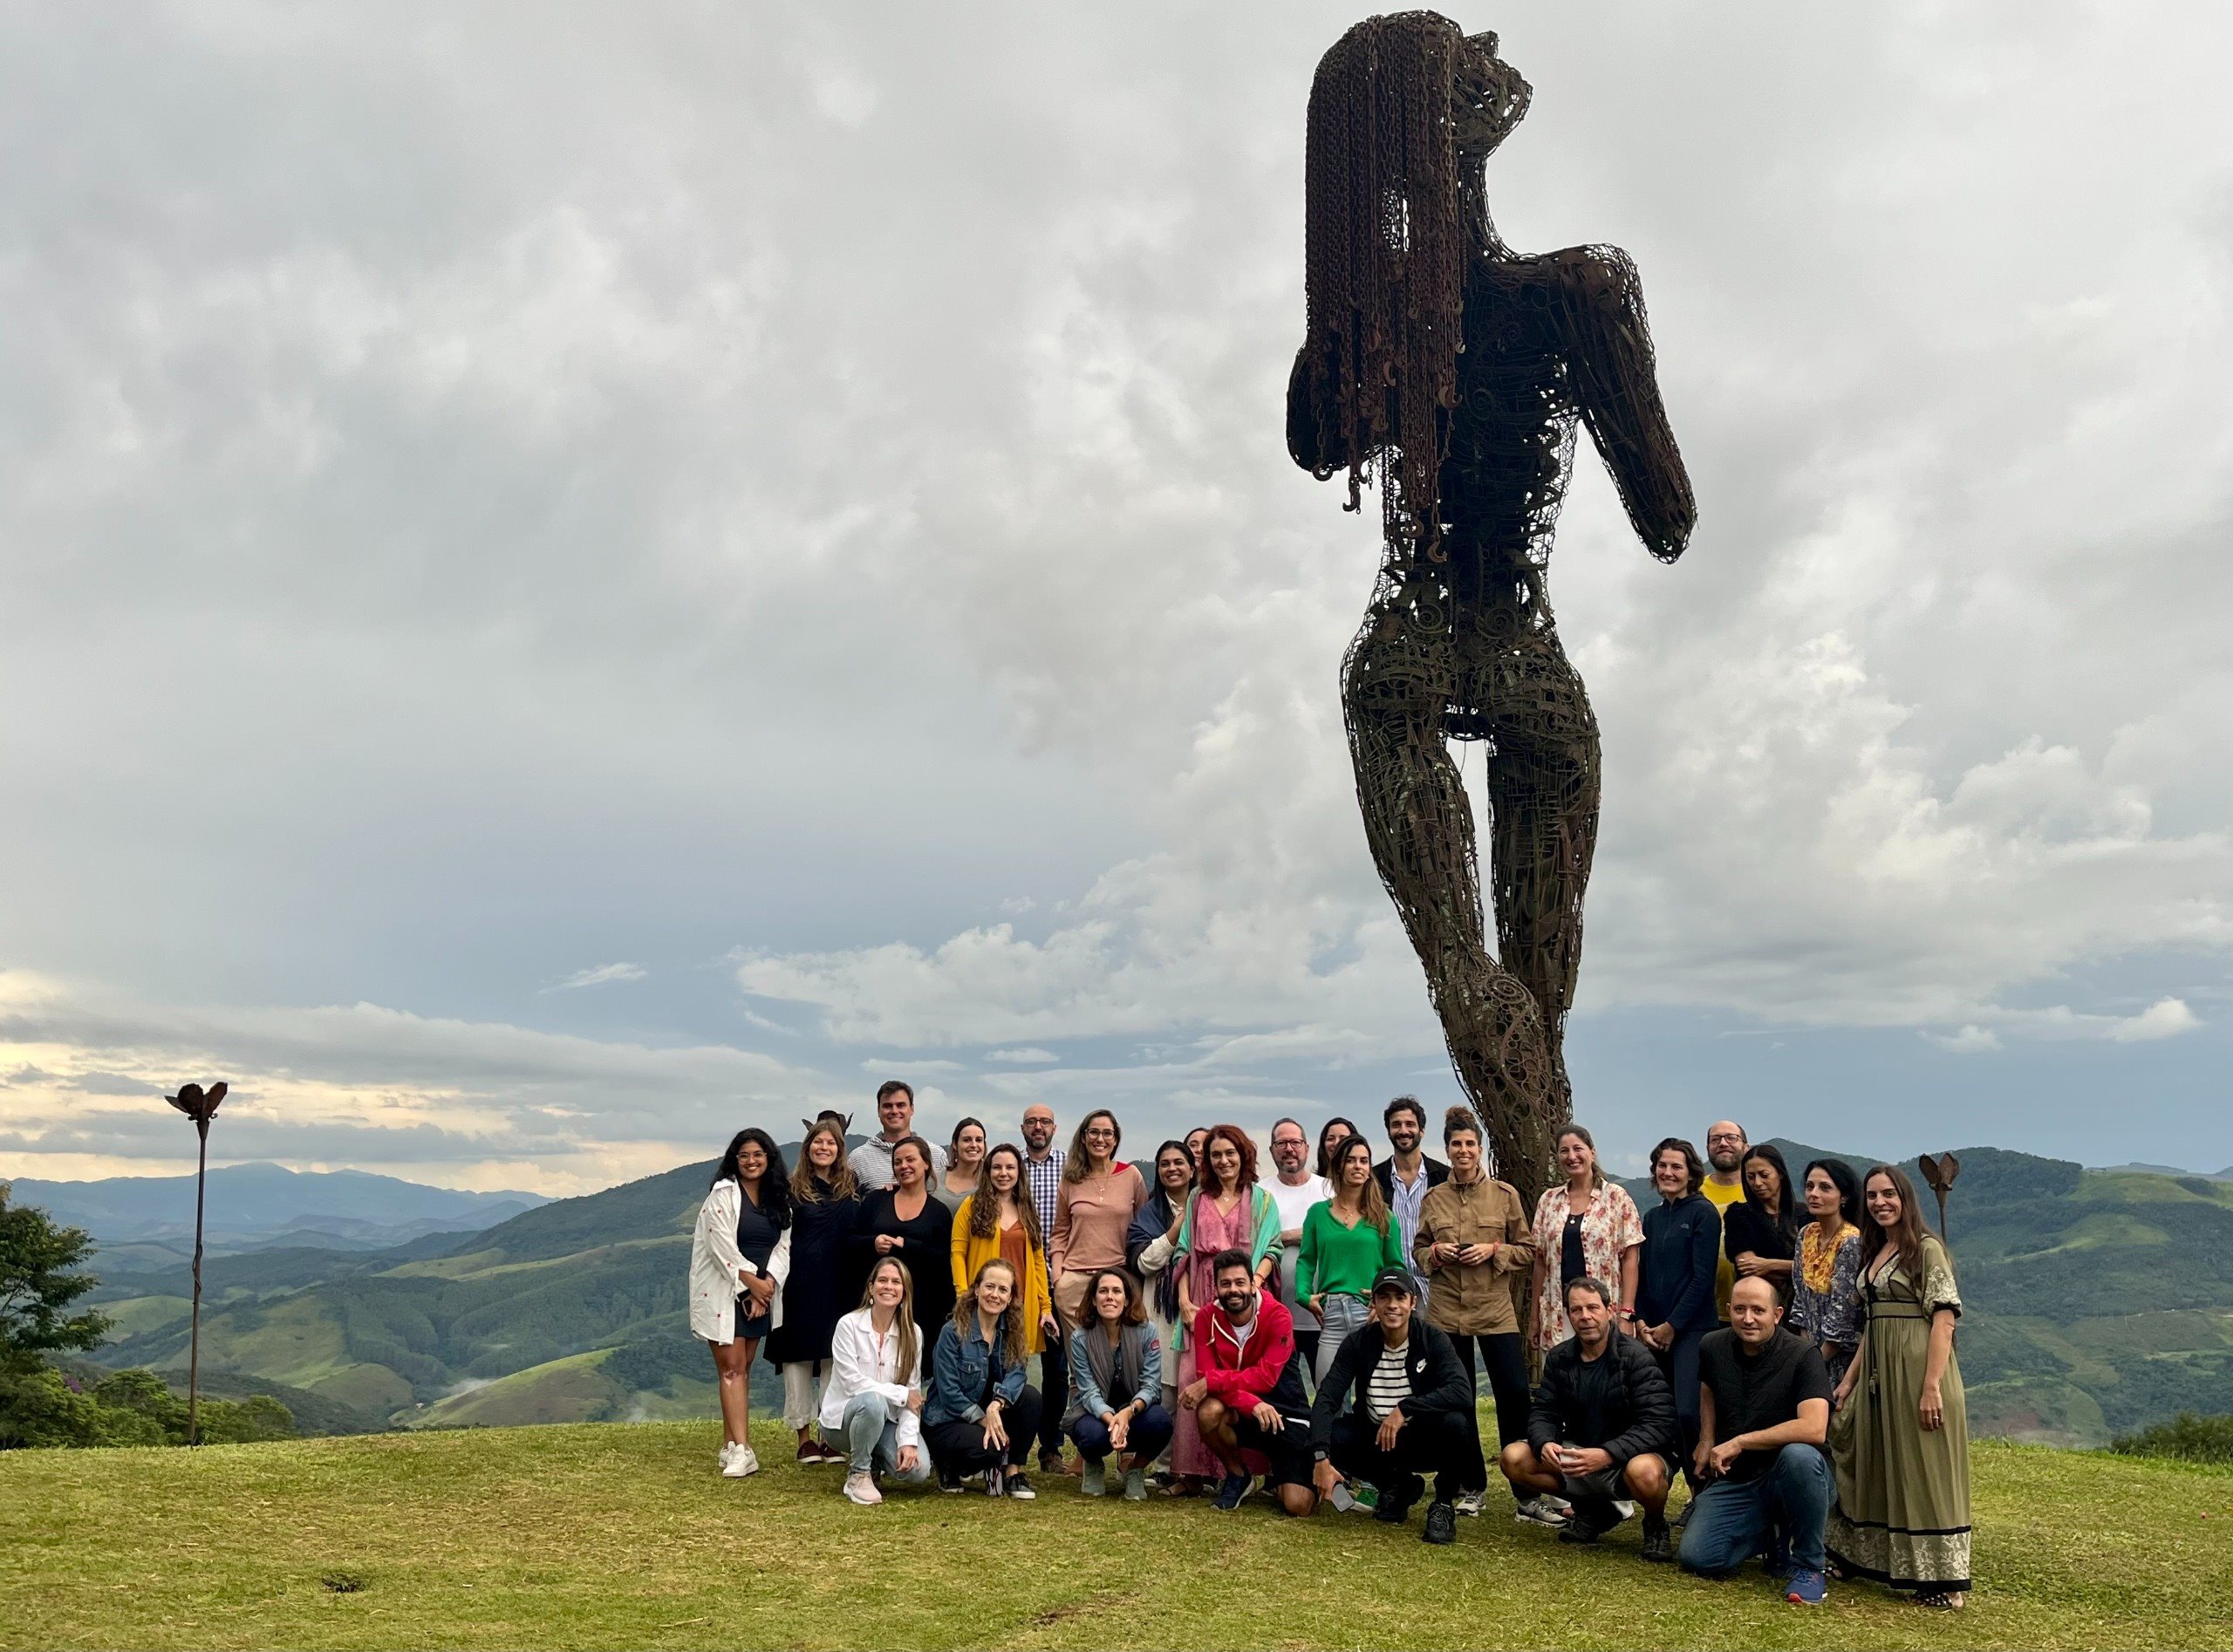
[1760, 1231]
[762, 1190]
[908, 1221]
[824, 1283]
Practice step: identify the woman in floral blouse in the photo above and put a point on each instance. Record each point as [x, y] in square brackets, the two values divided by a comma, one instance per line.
[1826, 1272]
[1588, 1226]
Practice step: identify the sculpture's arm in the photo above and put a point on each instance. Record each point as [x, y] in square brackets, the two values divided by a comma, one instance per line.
[1619, 385]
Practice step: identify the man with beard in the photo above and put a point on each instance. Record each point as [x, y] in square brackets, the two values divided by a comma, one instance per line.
[1247, 1394]
[1294, 1190]
[1406, 1174]
[1042, 1175]
[1724, 1185]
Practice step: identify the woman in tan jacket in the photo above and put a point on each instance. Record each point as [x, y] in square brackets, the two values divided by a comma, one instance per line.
[1475, 1246]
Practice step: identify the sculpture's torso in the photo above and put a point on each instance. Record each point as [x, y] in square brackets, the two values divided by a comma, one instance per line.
[1504, 476]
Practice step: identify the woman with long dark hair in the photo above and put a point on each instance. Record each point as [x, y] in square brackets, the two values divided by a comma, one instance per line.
[1346, 1241]
[1331, 1134]
[1825, 1265]
[909, 1221]
[982, 1416]
[1760, 1233]
[825, 1198]
[1901, 1439]
[739, 1258]
[1151, 1247]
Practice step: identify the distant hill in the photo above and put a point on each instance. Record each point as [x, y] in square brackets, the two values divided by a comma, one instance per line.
[2096, 1302]
[251, 1205]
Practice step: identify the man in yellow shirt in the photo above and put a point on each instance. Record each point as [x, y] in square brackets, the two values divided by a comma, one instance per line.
[1724, 1185]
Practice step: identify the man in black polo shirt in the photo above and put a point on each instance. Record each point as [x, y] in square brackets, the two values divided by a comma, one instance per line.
[1413, 1396]
[1763, 1413]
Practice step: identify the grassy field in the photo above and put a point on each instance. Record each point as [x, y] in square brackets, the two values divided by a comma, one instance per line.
[623, 1535]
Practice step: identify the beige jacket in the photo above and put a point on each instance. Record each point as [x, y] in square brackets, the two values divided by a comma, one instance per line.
[1473, 1300]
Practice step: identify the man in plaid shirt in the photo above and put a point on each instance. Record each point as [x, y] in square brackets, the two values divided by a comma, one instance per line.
[1042, 1172]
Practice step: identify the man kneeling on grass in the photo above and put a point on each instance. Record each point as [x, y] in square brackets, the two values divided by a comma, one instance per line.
[1763, 1413]
[1248, 1395]
[1413, 1406]
[1601, 1430]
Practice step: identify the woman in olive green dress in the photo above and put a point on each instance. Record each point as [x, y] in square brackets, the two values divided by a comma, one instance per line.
[1900, 1437]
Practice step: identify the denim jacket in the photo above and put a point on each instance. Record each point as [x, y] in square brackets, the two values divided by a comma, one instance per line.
[958, 1376]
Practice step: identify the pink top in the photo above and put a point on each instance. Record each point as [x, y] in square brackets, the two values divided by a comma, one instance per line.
[1091, 1217]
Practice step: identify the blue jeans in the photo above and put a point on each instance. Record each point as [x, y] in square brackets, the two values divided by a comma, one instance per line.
[1150, 1432]
[1788, 1506]
[870, 1441]
[1343, 1314]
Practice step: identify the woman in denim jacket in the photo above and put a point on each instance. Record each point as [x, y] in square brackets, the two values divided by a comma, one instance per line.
[982, 1417]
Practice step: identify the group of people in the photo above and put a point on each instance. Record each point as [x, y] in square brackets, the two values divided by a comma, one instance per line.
[1786, 1353]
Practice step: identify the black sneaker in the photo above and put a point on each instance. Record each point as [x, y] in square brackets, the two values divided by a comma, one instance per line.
[1233, 1490]
[1442, 1523]
[1590, 1522]
[1015, 1485]
[1396, 1499]
[950, 1483]
[1658, 1541]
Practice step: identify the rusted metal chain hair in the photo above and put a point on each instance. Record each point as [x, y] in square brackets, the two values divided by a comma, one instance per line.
[1384, 264]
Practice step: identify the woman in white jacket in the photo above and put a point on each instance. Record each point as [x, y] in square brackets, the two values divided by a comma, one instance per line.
[872, 1409]
[739, 1256]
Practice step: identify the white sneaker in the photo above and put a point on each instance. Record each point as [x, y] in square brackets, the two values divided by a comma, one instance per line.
[750, 1459]
[862, 1490]
[1471, 1503]
[727, 1456]
[740, 1462]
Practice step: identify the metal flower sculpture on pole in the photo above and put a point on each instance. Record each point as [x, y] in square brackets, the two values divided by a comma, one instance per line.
[1940, 1172]
[201, 1106]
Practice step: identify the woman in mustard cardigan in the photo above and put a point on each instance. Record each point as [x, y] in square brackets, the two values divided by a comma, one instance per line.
[998, 1220]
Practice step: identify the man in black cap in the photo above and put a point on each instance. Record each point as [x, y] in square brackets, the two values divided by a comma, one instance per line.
[1412, 1396]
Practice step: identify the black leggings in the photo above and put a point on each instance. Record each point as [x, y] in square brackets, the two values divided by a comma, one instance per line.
[959, 1448]
[1504, 1355]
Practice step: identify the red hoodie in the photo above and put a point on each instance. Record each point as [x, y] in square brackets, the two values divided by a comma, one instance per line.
[1245, 1374]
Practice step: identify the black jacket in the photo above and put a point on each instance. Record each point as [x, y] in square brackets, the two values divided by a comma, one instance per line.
[1384, 1173]
[1439, 1382]
[1681, 1254]
[1640, 1410]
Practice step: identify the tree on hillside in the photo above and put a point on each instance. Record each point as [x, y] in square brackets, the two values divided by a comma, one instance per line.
[38, 1282]
[38, 1285]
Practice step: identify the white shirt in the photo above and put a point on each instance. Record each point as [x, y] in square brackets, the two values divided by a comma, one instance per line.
[871, 1162]
[862, 1362]
[1294, 1203]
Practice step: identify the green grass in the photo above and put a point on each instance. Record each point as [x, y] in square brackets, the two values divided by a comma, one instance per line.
[613, 1535]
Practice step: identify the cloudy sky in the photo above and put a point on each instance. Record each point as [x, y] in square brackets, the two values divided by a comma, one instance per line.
[577, 578]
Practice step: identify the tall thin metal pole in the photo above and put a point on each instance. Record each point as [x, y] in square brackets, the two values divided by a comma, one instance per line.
[194, 1355]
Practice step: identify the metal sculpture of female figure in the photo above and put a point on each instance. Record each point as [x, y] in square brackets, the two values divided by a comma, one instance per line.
[1454, 371]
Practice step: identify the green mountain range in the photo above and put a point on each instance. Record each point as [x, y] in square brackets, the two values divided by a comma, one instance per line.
[2097, 1301]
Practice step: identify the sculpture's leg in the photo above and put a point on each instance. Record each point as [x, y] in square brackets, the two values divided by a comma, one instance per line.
[1545, 779]
[1395, 688]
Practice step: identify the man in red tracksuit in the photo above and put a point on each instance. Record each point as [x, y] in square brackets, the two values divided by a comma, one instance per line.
[1248, 1395]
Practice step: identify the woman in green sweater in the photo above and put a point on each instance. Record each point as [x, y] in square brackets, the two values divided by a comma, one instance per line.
[1346, 1241]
